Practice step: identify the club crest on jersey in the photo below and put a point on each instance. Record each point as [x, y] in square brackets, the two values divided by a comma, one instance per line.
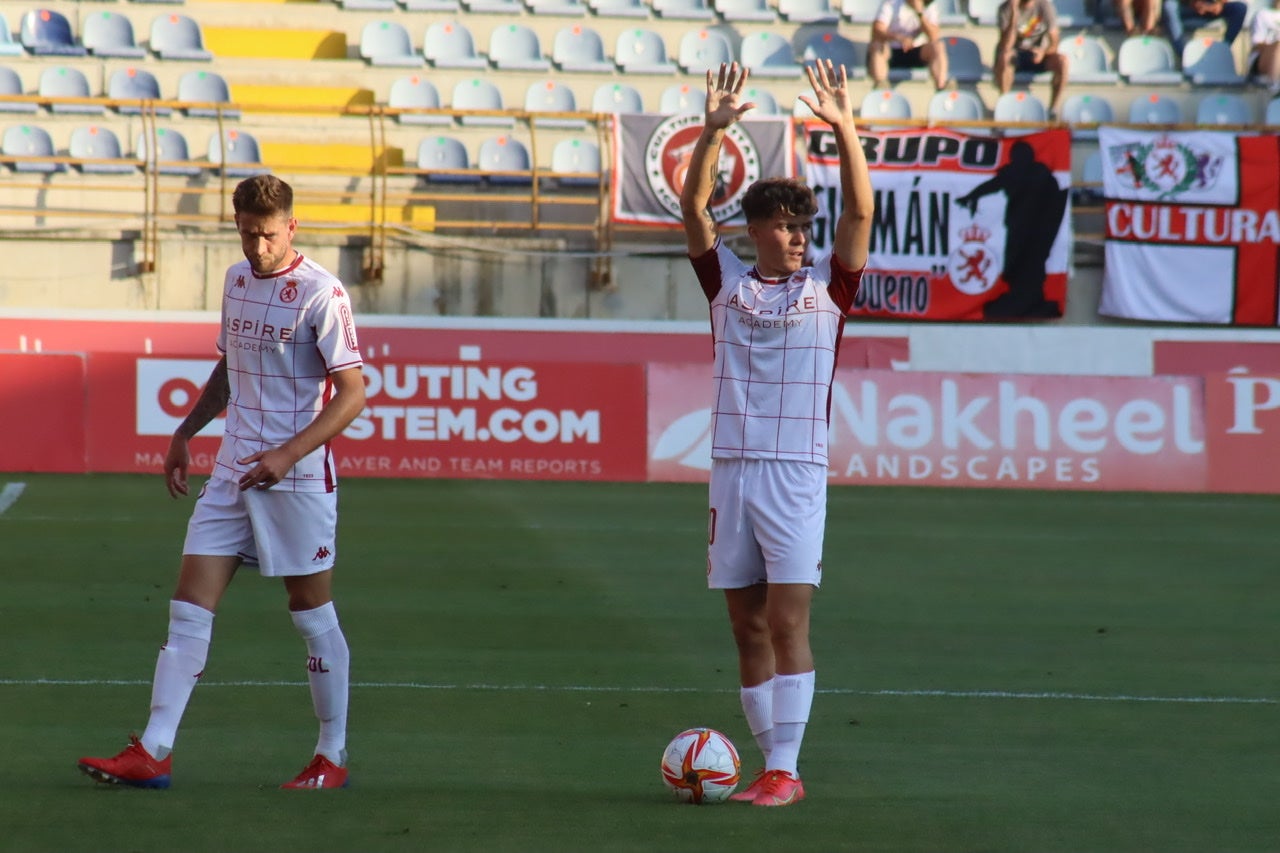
[289, 292]
[666, 164]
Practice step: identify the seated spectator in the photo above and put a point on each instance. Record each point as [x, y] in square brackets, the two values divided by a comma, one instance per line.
[905, 34]
[1028, 43]
[1179, 15]
[1139, 17]
[1265, 35]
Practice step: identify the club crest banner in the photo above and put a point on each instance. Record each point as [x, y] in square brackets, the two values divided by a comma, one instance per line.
[967, 227]
[651, 157]
[1192, 229]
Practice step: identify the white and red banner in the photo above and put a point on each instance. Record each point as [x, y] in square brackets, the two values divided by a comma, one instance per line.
[1192, 226]
[651, 158]
[967, 227]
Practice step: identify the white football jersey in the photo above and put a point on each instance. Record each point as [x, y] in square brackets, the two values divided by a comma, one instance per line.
[776, 342]
[282, 334]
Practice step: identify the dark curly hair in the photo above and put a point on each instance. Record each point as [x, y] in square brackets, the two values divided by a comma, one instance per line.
[770, 196]
[263, 195]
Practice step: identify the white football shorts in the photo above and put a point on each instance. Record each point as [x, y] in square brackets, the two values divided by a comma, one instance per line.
[766, 523]
[282, 533]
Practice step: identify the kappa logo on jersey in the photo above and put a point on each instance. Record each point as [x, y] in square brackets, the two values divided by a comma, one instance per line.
[337, 293]
[289, 292]
[321, 553]
[240, 281]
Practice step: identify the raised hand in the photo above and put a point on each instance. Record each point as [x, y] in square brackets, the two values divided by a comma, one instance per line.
[724, 91]
[831, 101]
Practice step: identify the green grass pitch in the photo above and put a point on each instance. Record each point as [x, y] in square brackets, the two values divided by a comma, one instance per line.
[998, 671]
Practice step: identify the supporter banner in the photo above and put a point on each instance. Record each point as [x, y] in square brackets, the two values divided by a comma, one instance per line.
[466, 417]
[1193, 231]
[42, 415]
[651, 156]
[974, 430]
[966, 227]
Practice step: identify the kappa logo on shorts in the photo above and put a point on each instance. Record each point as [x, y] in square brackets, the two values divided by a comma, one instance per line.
[321, 553]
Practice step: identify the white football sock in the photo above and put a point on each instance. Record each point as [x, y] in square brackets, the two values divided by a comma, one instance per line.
[328, 671]
[178, 667]
[757, 704]
[792, 699]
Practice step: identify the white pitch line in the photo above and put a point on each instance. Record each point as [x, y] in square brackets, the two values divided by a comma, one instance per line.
[581, 688]
[9, 495]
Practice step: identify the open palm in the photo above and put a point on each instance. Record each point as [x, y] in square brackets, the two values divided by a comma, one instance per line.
[724, 96]
[831, 99]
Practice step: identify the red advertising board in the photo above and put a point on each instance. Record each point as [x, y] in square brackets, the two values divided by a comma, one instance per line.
[973, 430]
[42, 414]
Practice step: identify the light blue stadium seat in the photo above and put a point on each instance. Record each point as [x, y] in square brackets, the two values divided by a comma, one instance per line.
[808, 11]
[1155, 109]
[703, 49]
[830, 45]
[47, 32]
[561, 8]
[493, 7]
[1091, 178]
[387, 43]
[92, 142]
[1087, 109]
[689, 10]
[955, 105]
[642, 51]
[431, 5]
[58, 81]
[1020, 106]
[477, 94]
[29, 140]
[1087, 60]
[1210, 62]
[984, 13]
[768, 54]
[1223, 108]
[576, 163]
[368, 5]
[168, 148]
[885, 103]
[681, 98]
[8, 47]
[445, 161]
[11, 84]
[1072, 14]
[178, 37]
[504, 153]
[1148, 61]
[964, 60]
[205, 87]
[950, 13]
[617, 98]
[239, 151]
[416, 92]
[859, 11]
[135, 84]
[580, 48]
[1271, 115]
[110, 34]
[449, 44]
[745, 11]
[766, 103]
[515, 47]
[619, 8]
[552, 96]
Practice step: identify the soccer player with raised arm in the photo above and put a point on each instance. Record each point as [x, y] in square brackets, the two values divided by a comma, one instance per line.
[776, 327]
[290, 380]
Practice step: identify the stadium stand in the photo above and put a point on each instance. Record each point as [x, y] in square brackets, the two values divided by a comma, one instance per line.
[236, 153]
[94, 142]
[1147, 61]
[450, 44]
[29, 140]
[642, 51]
[830, 45]
[1087, 60]
[1271, 115]
[478, 94]
[685, 10]
[1073, 14]
[766, 103]
[955, 105]
[493, 7]
[203, 89]
[885, 103]
[551, 96]
[859, 11]
[505, 161]
[964, 61]
[59, 81]
[167, 148]
[135, 84]
[1210, 62]
[559, 8]
[768, 54]
[984, 13]
[680, 98]
[444, 159]
[11, 84]
[8, 47]
[178, 37]
[515, 47]
[387, 43]
[619, 8]
[430, 5]
[745, 11]
[1086, 109]
[1223, 108]
[416, 92]
[808, 11]
[950, 14]
[46, 32]
[369, 5]
[703, 49]
[576, 163]
[617, 98]
[110, 34]
[1019, 106]
[1155, 109]
[580, 48]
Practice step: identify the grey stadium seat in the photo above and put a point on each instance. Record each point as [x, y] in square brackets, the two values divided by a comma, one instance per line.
[515, 47]
[170, 152]
[92, 142]
[768, 54]
[46, 32]
[61, 82]
[110, 34]
[703, 49]
[135, 84]
[580, 48]
[445, 160]
[240, 150]
[29, 140]
[552, 96]
[387, 43]
[449, 44]
[505, 154]
[617, 98]
[416, 92]
[205, 87]
[178, 37]
[642, 51]
[478, 94]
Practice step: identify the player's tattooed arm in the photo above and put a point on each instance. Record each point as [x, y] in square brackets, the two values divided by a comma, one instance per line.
[212, 402]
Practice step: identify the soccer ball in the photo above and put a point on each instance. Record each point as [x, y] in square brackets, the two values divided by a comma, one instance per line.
[700, 766]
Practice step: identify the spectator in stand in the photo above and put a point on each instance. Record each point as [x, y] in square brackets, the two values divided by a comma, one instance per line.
[1265, 35]
[1183, 15]
[1139, 17]
[1029, 37]
[905, 34]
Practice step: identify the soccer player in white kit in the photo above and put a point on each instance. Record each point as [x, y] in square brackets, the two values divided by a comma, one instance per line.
[777, 327]
[290, 380]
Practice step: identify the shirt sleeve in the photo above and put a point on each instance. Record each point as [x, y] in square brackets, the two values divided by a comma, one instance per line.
[336, 329]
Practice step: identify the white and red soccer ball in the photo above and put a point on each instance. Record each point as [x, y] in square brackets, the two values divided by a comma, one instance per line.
[701, 766]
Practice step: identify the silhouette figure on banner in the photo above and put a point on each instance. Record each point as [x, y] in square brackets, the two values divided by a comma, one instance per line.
[1034, 208]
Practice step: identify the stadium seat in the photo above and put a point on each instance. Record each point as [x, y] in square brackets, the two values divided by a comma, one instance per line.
[808, 12]
[1209, 62]
[236, 152]
[576, 163]
[8, 47]
[985, 13]
[501, 154]
[701, 50]
[950, 14]
[58, 81]
[1147, 60]
[642, 51]
[110, 34]
[515, 47]
[766, 103]
[93, 142]
[449, 44]
[768, 54]
[828, 44]
[368, 5]
[680, 98]
[477, 94]
[431, 5]
[1087, 109]
[561, 8]
[1155, 109]
[1020, 106]
[28, 140]
[580, 48]
[1223, 108]
[745, 11]
[1072, 14]
[205, 87]
[955, 105]
[859, 11]
[689, 10]
[387, 43]
[45, 32]
[551, 96]
[617, 98]
[964, 60]
[178, 37]
[1091, 177]
[1271, 116]
[885, 103]
[416, 92]
[1087, 60]
[135, 84]
[619, 8]
[493, 7]
[170, 152]
[11, 84]
[445, 160]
